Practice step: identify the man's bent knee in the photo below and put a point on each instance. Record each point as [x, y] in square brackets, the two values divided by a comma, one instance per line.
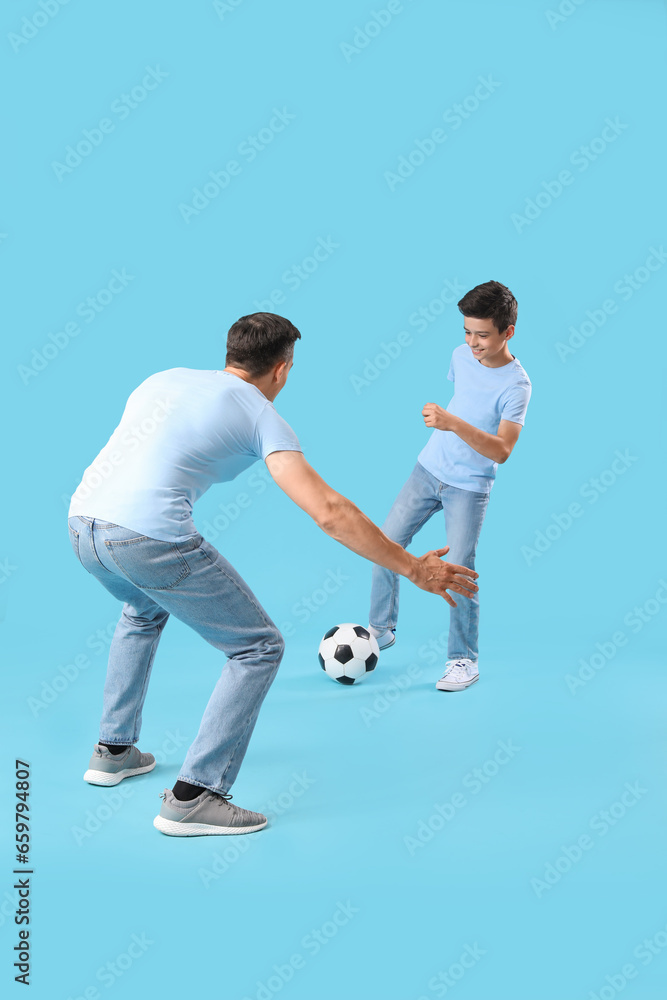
[278, 644]
[272, 645]
[145, 621]
[265, 648]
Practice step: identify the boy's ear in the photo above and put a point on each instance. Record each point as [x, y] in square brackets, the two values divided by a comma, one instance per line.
[509, 333]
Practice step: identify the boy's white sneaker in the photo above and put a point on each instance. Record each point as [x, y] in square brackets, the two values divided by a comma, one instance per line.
[459, 674]
[385, 637]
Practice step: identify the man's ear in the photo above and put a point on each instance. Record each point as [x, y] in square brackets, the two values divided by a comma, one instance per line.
[279, 371]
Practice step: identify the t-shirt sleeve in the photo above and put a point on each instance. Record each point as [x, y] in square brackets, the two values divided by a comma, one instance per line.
[272, 433]
[515, 403]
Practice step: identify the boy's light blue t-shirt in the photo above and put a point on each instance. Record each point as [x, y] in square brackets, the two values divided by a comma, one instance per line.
[181, 431]
[482, 397]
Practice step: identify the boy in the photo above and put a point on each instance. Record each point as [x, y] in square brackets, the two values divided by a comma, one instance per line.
[456, 468]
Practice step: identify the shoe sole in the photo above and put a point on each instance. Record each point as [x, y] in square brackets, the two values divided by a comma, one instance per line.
[177, 828]
[387, 644]
[453, 686]
[114, 777]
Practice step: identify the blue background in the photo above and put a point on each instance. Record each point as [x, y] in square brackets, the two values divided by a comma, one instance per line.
[376, 758]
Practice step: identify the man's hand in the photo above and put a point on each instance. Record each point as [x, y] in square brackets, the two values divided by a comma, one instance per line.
[342, 520]
[435, 416]
[436, 576]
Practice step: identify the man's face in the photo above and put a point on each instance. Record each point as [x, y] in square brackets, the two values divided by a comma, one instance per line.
[484, 339]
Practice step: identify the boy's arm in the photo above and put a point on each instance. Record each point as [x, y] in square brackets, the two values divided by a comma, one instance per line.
[497, 447]
[342, 520]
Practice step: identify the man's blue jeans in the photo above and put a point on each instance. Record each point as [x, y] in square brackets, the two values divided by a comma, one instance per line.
[192, 581]
[418, 500]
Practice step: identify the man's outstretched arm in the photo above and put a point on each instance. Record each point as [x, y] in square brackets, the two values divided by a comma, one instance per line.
[497, 447]
[341, 519]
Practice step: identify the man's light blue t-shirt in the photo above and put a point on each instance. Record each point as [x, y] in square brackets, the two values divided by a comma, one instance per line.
[181, 431]
[482, 397]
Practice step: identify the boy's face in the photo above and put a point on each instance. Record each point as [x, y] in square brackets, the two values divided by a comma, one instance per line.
[484, 339]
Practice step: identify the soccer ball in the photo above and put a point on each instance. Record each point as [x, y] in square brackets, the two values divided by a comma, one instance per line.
[348, 652]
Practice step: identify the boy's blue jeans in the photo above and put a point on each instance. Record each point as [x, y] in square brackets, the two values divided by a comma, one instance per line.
[464, 510]
[192, 581]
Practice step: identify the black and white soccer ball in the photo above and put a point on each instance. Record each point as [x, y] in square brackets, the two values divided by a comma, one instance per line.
[348, 652]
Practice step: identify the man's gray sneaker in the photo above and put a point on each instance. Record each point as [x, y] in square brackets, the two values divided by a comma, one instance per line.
[209, 814]
[106, 768]
[385, 637]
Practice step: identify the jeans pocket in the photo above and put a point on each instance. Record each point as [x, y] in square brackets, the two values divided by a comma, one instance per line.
[148, 563]
[74, 539]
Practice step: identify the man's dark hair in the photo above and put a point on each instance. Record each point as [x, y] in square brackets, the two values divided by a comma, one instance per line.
[490, 301]
[259, 341]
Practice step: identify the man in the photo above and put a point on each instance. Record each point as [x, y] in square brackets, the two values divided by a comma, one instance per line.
[456, 469]
[130, 523]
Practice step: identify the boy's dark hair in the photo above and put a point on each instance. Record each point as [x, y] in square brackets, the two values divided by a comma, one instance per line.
[490, 301]
[259, 341]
